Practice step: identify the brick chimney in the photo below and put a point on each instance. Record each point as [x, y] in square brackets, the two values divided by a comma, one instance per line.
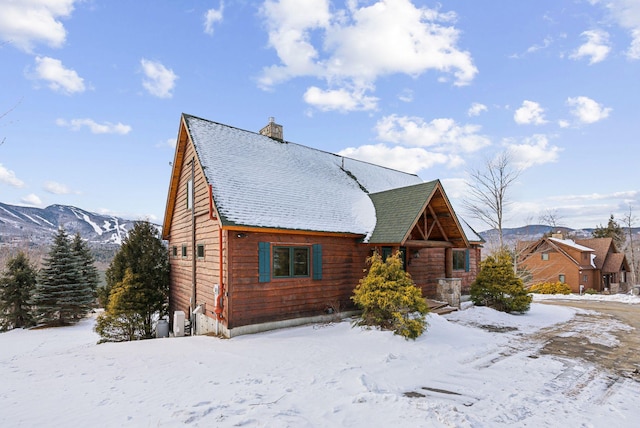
[273, 130]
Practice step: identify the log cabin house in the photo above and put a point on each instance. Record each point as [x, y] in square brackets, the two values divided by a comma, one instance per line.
[582, 264]
[264, 233]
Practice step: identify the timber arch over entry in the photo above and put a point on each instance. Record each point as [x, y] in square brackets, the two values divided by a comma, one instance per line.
[418, 216]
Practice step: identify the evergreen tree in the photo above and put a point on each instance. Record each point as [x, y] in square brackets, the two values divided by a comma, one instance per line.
[17, 284]
[141, 266]
[497, 285]
[122, 319]
[88, 268]
[612, 230]
[62, 295]
[389, 299]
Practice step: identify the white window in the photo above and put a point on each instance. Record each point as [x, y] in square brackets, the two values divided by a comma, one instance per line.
[190, 194]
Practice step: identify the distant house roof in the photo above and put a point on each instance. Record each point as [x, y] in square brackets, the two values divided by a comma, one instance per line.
[258, 181]
[614, 263]
[571, 243]
[607, 257]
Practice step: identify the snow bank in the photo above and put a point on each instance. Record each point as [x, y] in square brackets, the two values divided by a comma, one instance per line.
[311, 376]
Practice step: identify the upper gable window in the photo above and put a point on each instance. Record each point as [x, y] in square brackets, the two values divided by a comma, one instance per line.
[545, 256]
[190, 194]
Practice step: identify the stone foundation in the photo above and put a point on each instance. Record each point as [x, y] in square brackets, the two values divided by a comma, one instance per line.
[449, 290]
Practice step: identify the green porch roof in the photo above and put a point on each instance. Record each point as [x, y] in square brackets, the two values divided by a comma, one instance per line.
[397, 210]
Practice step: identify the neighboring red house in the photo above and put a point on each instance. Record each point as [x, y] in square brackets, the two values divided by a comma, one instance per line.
[264, 233]
[584, 263]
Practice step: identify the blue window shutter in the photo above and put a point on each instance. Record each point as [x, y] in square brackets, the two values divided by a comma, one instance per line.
[317, 261]
[264, 261]
[466, 260]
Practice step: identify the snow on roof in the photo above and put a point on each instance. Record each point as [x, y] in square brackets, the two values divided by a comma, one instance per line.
[471, 234]
[261, 182]
[571, 243]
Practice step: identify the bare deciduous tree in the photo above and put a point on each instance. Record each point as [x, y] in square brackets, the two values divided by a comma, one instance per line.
[629, 220]
[489, 191]
[2, 115]
[551, 218]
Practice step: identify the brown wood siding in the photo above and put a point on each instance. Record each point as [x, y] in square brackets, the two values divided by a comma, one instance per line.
[426, 269]
[252, 302]
[180, 233]
[550, 270]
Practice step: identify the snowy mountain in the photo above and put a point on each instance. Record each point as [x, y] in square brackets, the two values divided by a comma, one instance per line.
[533, 232]
[38, 225]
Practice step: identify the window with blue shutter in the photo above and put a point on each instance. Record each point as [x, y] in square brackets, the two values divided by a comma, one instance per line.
[317, 261]
[467, 263]
[459, 260]
[264, 261]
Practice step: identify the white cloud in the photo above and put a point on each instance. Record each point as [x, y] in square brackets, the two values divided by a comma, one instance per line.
[534, 48]
[476, 109]
[588, 110]
[545, 44]
[339, 99]
[61, 79]
[405, 159]
[159, 80]
[211, 17]
[406, 96]
[533, 151]
[443, 135]
[456, 188]
[9, 177]
[634, 49]
[529, 113]
[596, 48]
[627, 14]
[57, 188]
[31, 200]
[94, 127]
[627, 194]
[355, 46]
[26, 23]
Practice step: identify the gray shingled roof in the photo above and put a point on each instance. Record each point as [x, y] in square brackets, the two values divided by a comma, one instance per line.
[260, 182]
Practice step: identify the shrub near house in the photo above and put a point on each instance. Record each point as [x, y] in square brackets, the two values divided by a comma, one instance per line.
[550, 288]
[389, 299]
[498, 287]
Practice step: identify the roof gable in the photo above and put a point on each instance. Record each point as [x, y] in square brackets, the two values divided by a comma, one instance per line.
[399, 211]
[565, 247]
[257, 181]
[607, 257]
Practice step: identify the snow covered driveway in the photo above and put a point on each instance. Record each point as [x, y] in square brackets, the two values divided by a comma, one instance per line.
[474, 368]
[603, 333]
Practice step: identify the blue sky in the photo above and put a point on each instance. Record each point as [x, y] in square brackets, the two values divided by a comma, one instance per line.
[92, 93]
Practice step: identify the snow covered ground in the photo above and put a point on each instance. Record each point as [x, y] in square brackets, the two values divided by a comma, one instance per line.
[456, 375]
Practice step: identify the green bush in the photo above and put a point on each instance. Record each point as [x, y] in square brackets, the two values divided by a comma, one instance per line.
[590, 291]
[389, 299]
[498, 287]
[550, 288]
